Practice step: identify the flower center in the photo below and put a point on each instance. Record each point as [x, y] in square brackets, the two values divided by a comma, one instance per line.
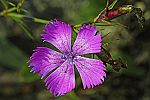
[69, 56]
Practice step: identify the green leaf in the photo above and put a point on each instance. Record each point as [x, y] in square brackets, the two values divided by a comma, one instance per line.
[4, 3]
[11, 9]
[24, 10]
[24, 27]
[103, 23]
[12, 4]
[19, 5]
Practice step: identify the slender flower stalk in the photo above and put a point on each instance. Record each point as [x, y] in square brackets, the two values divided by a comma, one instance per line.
[58, 67]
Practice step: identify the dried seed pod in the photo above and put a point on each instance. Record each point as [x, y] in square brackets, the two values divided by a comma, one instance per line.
[106, 57]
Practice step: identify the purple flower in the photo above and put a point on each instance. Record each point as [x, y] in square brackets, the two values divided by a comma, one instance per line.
[58, 68]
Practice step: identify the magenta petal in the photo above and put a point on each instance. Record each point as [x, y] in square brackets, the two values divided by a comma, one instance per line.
[45, 60]
[59, 34]
[92, 71]
[86, 41]
[58, 68]
[62, 80]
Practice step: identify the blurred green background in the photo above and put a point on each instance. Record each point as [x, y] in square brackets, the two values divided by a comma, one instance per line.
[131, 44]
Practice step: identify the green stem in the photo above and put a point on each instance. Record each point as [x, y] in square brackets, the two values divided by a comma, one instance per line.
[7, 11]
[40, 20]
[94, 23]
[15, 15]
[20, 16]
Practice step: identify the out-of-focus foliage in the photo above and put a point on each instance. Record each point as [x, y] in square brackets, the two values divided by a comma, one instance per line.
[16, 45]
